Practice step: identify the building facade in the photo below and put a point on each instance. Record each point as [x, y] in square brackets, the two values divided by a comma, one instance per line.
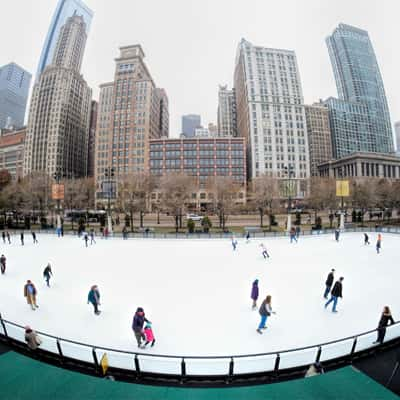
[397, 133]
[202, 158]
[58, 126]
[189, 124]
[14, 90]
[227, 112]
[12, 151]
[319, 136]
[360, 117]
[271, 115]
[92, 136]
[132, 110]
[65, 9]
[375, 165]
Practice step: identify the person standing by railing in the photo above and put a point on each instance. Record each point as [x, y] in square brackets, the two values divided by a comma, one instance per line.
[32, 339]
[30, 293]
[335, 294]
[265, 311]
[386, 317]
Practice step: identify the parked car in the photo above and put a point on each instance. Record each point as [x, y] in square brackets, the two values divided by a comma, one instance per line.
[194, 217]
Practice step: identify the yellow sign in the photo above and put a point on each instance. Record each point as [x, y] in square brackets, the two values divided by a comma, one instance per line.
[342, 189]
[104, 363]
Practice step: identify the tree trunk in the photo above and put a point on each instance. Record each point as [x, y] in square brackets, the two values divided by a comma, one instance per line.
[261, 216]
[131, 220]
[176, 223]
[141, 218]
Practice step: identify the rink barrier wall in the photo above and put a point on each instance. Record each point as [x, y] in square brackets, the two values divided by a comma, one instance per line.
[135, 364]
[227, 235]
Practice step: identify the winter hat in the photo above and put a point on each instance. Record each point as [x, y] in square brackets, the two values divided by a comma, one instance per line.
[139, 309]
[255, 282]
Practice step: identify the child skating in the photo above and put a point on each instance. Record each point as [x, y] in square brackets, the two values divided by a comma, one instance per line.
[254, 294]
[149, 335]
[264, 251]
[234, 243]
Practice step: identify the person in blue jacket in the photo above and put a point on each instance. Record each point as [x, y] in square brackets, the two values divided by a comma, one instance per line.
[137, 325]
[94, 298]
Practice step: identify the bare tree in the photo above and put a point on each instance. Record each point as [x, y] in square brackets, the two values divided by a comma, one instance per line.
[176, 190]
[363, 194]
[134, 192]
[322, 195]
[224, 192]
[265, 191]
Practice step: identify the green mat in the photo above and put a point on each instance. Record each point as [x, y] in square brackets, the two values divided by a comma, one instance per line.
[24, 378]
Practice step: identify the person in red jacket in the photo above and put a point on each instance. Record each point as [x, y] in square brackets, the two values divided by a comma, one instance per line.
[148, 333]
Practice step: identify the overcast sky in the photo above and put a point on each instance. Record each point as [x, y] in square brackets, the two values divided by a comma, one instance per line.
[190, 45]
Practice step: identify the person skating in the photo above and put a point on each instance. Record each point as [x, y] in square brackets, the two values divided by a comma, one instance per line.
[292, 234]
[30, 293]
[22, 238]
[247, 237]
[92, 237]
[47, 273]
[379, 243]
[34, 237]
[265, 311]
[124, 233]
[386, 317]
[329, 283]
[335, 294]
[234, 243]
[137, 325]
[149, 335]
[3, 264]
[264, 251]
[86, 239]
[298, 231]
[32, 339]
[4, 237]
[94, 298]
[337, 234]
[366, 239]
[254, 294]
[8, 237]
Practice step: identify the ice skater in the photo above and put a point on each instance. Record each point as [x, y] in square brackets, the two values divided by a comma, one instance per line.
[265, 311]
[379, 243]
[337, 234]
[3, 264]
[234, 243]
[22, 238]
[34, 237]
[8, 237]
[329, 283]
[254, 294]
[30, 293]
[366, 239]
[137, 325]
[247, 237]
[298, 231]
[86, 238]
[335, 294]
[4, 237]
[386, 317]
[264, 251]
[94, 298]
[292, 234]
[47, 273]
[149, 335]
[92, 237]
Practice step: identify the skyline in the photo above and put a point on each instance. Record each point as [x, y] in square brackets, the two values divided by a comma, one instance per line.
[190, 68]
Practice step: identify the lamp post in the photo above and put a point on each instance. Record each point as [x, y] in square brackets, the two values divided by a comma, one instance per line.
[57, 177]
[109, 174]
[290, 173]
[341, 225]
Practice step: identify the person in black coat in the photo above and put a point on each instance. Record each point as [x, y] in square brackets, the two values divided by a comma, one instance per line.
[386, 317]
[22, 238]
[329, 283]
[137, 325]
[335, 294]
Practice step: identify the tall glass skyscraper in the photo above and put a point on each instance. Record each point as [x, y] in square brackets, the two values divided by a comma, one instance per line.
[64, 10]
[14, 89]
[360, 119]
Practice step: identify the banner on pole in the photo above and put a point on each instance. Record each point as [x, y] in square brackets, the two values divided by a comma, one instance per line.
[57, 191]
[342, 189]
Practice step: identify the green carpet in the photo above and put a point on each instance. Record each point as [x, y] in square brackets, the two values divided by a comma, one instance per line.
[24, 378]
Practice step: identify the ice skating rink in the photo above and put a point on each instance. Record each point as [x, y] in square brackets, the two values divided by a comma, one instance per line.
[197, 292]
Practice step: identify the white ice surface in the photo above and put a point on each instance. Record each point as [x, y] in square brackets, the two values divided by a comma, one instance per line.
[197, 292]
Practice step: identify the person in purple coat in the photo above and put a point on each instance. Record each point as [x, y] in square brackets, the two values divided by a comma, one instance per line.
[254, 294]
[137, 325]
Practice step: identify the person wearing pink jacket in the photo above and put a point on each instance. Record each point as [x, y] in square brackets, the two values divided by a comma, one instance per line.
[148, 332]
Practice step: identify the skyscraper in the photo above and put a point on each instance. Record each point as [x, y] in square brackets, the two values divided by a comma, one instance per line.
[64, 10]
[397, 132]
[189, 124]
[226, 112]
[58, 126]
[94, 106]
[270, 113]
[14, 89]
[132, 110]
[360, 119]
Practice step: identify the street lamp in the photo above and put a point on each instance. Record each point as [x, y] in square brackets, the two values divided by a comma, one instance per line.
[57, 195]
[290, 173]
[109, 174]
